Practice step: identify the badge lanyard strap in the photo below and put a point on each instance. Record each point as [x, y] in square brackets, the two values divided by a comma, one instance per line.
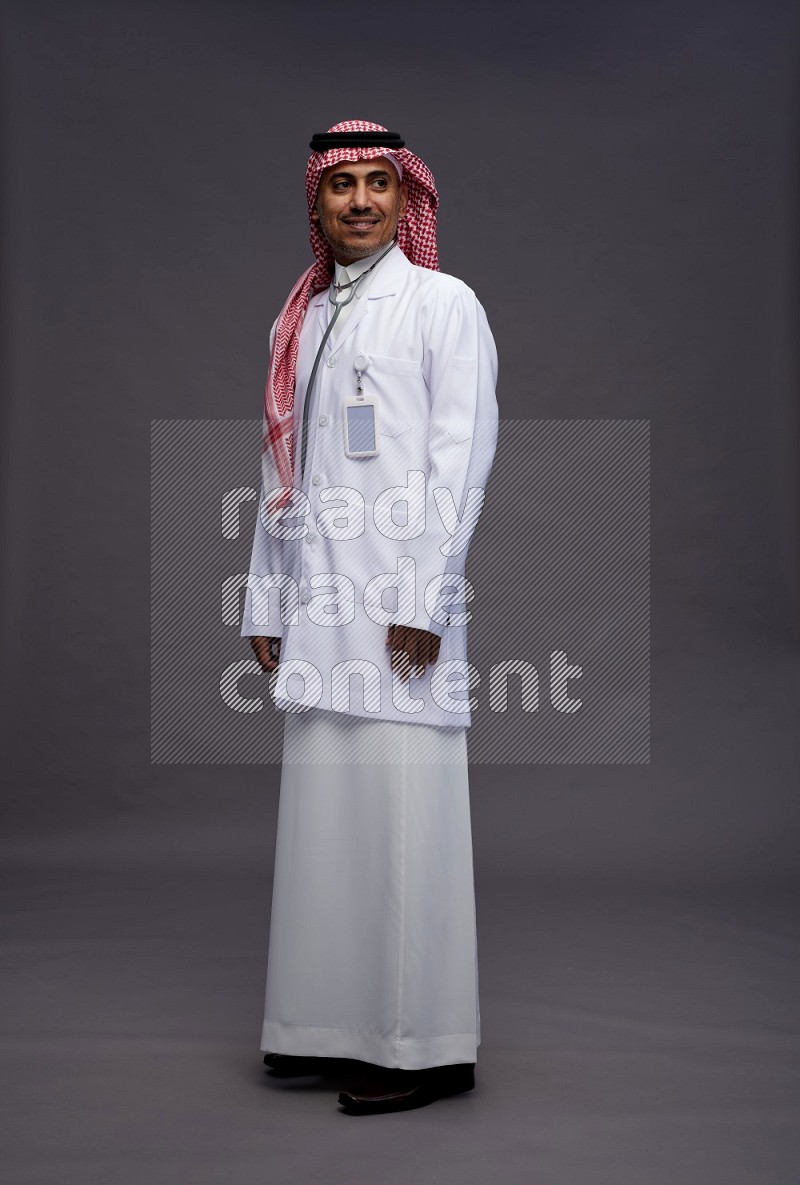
[338, 306]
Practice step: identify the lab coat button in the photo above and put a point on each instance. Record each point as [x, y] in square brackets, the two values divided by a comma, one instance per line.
[316, 479]
[305, 596]
[323, 421]
[310, 537]
[331, 361]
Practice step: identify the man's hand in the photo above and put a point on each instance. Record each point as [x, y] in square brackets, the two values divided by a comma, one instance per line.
[412, 650]
[268, 652]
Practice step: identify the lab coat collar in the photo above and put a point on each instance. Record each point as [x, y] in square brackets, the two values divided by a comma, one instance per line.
[385, 281]
[387, 278]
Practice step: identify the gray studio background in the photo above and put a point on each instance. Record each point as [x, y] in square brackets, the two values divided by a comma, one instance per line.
[619, 186]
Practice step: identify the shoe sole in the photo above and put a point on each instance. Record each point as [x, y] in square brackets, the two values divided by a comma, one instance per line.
[421, 1098]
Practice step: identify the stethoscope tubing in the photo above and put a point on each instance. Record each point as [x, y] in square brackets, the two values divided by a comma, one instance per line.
[338, 306]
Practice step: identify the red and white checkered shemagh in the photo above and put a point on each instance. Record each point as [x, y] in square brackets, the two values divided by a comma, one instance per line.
[416, 237]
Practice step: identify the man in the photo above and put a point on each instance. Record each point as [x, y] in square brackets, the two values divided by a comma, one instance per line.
[380, 428]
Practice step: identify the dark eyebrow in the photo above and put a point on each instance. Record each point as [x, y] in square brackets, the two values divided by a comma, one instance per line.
[372, 173]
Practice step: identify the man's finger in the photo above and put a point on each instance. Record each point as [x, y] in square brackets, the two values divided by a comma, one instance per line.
[400, 664]
[428, 657]
[263, 650]
[400, 659]
[398, 650]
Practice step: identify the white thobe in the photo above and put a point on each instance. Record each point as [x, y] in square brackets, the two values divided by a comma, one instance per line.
[373, 943]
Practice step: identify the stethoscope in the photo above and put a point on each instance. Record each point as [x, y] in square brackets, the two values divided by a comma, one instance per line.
[333, 296]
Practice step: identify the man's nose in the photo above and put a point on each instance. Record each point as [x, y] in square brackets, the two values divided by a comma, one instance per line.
[361, 198]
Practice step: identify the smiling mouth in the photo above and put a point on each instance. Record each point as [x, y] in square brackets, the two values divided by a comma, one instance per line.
[361, 224]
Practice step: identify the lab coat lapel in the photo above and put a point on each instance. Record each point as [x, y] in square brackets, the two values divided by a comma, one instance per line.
[324, 312]
[356, 317]
[389, 277]
[321, 306]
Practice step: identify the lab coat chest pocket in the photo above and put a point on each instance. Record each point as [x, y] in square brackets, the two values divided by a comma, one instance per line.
[395, 380]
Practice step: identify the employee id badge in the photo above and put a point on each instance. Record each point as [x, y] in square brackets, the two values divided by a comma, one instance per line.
[360, 421]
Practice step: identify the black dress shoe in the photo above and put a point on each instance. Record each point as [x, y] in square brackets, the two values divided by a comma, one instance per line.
[289, 1065]
[401, 1090]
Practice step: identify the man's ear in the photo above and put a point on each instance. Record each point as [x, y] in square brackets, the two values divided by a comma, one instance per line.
[403, 196]
[314, 214]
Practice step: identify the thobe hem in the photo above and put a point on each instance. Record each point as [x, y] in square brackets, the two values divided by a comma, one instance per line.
[405, 1053]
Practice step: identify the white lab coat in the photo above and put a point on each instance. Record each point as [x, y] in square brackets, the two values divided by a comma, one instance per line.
[432, 364]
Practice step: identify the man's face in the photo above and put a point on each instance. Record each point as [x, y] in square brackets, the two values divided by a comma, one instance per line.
[358, 206]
